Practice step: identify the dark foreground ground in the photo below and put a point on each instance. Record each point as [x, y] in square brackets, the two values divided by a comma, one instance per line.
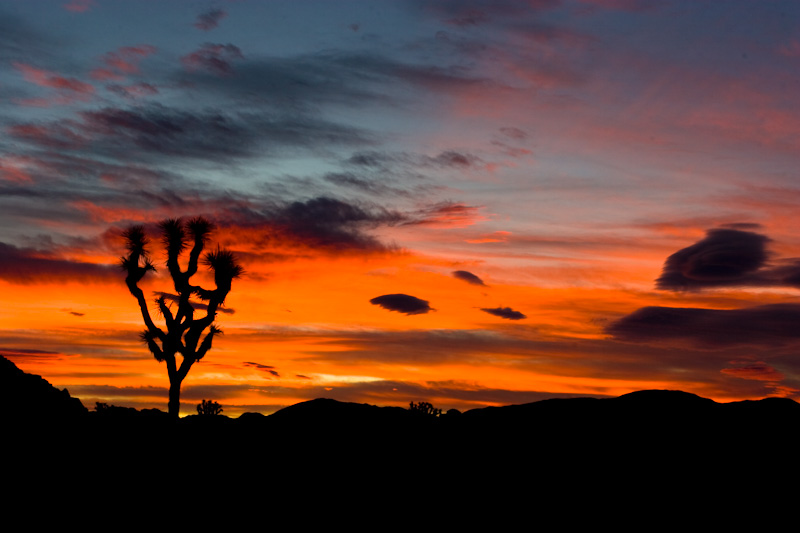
[667, 449]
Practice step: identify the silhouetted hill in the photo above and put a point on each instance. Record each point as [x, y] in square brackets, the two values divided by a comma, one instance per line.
[677, 427]
[326, 411]
[30, 397]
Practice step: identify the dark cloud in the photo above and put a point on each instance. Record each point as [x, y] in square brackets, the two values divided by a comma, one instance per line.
[785, 272]
[133, 91]
[625, 5]
[402, 303]
[264, 368]
[514, 133]
[213, 58]
[385, 72]
[26, 265]
[469, 277]
[767, 325]
[24, 355]
[368, 159]
[304, 83]
[210, 19]
[445, 159]
[470, 17]
[729, 257]
[724, 257]
[157, 130]
[296, 84]
[452, 158]
[364, 184]
[504, 312]
[321, 222]
[87, 190]
[744, 226]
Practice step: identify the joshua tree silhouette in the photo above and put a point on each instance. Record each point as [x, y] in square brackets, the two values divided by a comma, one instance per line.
[183, 328]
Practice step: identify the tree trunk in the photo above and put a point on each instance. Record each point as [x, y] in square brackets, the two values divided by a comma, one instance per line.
[174, 405]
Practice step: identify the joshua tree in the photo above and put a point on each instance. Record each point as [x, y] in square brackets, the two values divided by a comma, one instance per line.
[184, 329]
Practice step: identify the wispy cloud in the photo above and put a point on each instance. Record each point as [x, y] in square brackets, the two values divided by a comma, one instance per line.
[122, 62]
[210, 19]
[79, 6]
[68, 90]
[213, 58]
[25, 266]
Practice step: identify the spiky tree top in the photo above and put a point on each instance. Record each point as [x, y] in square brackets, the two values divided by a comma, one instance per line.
[183, 329]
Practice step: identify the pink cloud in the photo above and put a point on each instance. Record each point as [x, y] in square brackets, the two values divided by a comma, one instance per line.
[44, 78]
[115, 213]
[449, 215]
[497, 236]
[123, 61]
[55, 136]
[68, 89]
[79, 6]
[214, 58]
[104, 74]
[14, 169]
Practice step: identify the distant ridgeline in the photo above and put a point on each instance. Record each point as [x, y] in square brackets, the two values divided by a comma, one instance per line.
[639, 424]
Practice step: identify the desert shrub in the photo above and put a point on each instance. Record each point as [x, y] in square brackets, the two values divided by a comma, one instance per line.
[209, 408]
[424, 408]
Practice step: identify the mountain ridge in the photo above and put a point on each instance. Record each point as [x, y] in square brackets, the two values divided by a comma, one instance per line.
[26, 394]
[645, 435]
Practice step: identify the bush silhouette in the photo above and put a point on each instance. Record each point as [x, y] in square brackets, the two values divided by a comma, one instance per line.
[424, 408]
[183, 329]
[209, 408]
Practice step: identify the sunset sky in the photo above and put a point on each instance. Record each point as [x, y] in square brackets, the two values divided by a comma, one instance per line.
[466, 202]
